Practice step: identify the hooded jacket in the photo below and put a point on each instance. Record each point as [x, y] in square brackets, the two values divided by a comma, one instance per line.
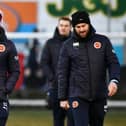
[9, 65]
[82, 67]
[50, 56]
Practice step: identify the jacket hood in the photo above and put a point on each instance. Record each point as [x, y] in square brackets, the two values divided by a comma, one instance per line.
[3, 37]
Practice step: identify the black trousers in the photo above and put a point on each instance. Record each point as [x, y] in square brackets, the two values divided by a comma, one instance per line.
[4, 112]
[87, 113]
[59, 114]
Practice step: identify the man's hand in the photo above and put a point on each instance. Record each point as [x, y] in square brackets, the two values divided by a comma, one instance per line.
[112, 88]
[64, 104]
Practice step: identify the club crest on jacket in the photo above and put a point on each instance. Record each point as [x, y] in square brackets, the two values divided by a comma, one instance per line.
[2, 48]
[97, 45]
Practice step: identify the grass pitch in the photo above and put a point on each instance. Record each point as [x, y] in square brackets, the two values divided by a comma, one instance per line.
[30, 117]
[43, 117]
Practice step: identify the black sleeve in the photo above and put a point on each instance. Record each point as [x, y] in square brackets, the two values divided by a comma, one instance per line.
[63, 73]
[13, 67]
[112, 62]
[46, 62]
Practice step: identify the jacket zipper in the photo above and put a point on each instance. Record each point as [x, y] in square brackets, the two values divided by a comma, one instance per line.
[90, 85]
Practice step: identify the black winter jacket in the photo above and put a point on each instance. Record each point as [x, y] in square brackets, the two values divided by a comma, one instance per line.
[9, 66]
[50, 56]
[82, 67]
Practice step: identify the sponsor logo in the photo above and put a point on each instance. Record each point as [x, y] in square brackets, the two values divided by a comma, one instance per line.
[117, 7]
[75, 44]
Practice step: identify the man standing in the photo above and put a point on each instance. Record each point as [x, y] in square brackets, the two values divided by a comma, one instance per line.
[9, 72]
[49, 63]
[83, 62]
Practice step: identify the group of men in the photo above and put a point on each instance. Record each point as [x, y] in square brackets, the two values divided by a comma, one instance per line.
[76, 64]
[75, 61]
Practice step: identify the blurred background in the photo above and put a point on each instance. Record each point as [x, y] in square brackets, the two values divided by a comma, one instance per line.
[29, 23]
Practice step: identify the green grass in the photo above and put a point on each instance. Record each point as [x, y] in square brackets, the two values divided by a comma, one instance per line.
[116, 118]
[23, 117]
[43, 117]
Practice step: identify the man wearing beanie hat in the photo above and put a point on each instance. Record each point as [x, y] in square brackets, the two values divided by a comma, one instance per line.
[83, 62]
[9, 72]
[80, 17]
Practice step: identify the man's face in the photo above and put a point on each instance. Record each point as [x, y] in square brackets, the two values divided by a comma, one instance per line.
[64, 27]
[82, 29]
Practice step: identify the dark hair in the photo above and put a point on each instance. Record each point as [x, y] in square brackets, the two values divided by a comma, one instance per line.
[65, 18]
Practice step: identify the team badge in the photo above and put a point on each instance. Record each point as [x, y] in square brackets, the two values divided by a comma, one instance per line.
[75, 104]
[97, 45]
[2, 48]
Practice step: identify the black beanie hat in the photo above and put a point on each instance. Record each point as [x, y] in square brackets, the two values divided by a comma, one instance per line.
[80, 17]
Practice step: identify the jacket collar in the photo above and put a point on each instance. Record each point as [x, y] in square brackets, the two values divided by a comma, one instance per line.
[60, 37]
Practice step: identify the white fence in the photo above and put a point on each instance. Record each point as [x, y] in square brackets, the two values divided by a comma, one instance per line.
[46, 35]
[43, 103]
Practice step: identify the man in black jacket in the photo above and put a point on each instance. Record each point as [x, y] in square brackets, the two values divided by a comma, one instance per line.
[83, 62]
[49, 63]
[9, 73]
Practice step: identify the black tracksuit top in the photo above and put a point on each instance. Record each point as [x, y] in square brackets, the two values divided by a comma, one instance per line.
[9, 66]
[82, 67]
[50, 56]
